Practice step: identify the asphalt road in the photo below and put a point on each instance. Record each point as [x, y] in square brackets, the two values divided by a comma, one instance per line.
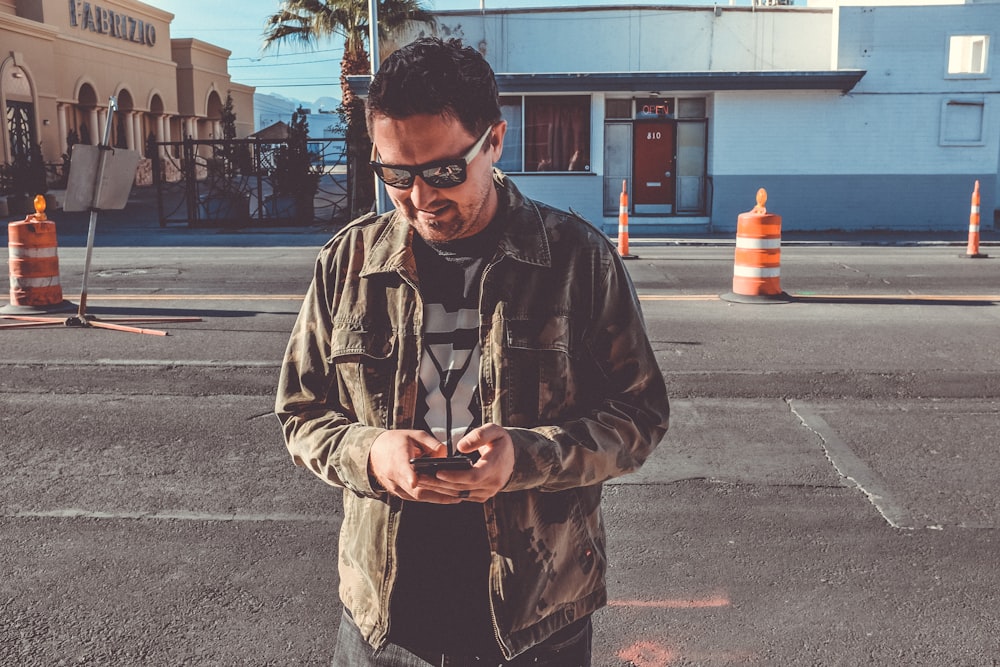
[827, 494]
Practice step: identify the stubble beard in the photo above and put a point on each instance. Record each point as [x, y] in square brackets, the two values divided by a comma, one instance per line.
[465, 222]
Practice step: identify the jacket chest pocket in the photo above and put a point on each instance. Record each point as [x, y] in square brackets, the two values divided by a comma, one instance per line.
[537, 381]
[365, 364]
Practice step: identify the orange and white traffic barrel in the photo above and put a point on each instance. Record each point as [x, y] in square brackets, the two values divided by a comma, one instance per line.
[972, 250]
[34, 265]
[757, 265]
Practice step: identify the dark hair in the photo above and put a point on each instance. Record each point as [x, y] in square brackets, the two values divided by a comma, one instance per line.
[436, 77]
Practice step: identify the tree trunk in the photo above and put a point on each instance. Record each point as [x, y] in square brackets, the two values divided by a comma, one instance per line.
[360, 180]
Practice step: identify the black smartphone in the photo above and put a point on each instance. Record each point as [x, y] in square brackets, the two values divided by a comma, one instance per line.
[431, 464]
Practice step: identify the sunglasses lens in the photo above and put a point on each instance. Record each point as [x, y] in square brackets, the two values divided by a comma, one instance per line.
[393, 177]
[445, 176]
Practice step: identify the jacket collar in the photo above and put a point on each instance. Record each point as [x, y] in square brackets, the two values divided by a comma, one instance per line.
[524, 238]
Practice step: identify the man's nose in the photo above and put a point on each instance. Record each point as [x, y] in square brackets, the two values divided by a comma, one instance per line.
[422, 193]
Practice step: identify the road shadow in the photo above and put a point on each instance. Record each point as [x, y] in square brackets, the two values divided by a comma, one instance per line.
[138, 312]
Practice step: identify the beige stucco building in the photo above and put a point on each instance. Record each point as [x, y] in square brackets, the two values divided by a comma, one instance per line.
[62, 60]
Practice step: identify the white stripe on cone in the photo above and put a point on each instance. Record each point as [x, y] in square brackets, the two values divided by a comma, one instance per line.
[757, 244]
[755, 272]
[34, 282]
[17, 252]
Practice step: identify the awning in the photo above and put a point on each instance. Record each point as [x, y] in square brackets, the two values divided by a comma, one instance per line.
[565, 82]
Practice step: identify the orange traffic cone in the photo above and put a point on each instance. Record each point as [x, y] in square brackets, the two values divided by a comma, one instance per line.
[34, 265]
[757, 265]
[623, 224]
[972, 251]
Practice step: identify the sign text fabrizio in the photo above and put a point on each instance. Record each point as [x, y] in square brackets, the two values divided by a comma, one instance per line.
[90, 17]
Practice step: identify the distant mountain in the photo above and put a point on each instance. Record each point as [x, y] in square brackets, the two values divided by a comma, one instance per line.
[269, 108]
[326, 104]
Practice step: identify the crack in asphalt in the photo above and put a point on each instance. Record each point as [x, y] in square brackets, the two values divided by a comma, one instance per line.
[849, 466]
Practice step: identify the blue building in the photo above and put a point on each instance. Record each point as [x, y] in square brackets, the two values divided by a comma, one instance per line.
[852, 117]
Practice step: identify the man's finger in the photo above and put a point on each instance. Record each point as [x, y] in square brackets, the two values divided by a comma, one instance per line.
[480, 437]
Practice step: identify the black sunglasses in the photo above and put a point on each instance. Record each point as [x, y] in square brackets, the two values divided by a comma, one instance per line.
[437, 174]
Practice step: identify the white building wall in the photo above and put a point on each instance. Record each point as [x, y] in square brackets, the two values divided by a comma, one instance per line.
[828, 134]
[871, 158]
[664, 39]
[904, 49]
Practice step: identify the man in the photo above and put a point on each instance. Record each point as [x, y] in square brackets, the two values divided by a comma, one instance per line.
[470, 321]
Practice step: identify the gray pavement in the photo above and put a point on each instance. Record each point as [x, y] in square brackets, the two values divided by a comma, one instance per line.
[827, 494]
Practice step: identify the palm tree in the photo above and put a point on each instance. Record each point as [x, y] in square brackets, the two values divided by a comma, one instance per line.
[310, 21]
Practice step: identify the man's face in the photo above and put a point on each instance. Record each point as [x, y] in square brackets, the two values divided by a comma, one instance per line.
[440, 214]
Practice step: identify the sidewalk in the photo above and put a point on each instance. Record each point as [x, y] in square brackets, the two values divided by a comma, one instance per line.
[987, 237]
[138, 224]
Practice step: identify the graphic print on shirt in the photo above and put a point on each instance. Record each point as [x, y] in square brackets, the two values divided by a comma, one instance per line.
[449, 373]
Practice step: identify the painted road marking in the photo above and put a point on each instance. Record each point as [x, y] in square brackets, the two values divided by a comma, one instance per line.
[898, 297]
[716, 601]
[853, 469]
[642, 297]
[211, 363]
[194, 297]
[654, 654]
[647, 654]
[175, 515]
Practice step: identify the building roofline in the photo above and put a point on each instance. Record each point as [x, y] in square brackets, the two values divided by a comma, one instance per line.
[800, 9]
[565, 82]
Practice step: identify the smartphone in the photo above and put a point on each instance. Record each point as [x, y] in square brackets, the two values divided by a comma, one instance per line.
[431, 464]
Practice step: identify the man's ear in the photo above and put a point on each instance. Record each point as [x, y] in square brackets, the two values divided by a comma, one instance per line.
[496, 140]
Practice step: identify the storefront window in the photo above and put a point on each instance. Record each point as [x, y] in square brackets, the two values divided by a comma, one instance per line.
[546, 133]
[691, 107]
[617, 108]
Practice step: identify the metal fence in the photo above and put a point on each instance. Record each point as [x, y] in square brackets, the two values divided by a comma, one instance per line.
[231, 183]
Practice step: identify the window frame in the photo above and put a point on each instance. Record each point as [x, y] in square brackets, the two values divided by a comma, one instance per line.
[976, 101]
[522, 149]
[987, 64]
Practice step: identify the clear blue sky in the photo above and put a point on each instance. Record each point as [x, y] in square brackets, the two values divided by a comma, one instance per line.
[290, 71]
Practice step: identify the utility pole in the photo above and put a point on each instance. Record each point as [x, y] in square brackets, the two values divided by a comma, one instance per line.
[380, 193]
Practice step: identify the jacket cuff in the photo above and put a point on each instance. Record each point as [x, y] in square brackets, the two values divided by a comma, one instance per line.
[353, 464]
[530, 470]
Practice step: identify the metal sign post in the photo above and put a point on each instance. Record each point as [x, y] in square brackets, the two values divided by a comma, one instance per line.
[95, 199]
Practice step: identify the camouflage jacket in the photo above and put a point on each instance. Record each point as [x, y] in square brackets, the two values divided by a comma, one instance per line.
[567, 368]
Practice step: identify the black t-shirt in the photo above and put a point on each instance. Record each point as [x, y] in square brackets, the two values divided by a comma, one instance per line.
[441, 599]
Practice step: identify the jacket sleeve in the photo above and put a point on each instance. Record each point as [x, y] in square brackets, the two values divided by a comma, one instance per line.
[321, 433]
[632, 409]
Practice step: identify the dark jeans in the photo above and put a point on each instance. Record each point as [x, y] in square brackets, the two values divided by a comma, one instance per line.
[353, 651]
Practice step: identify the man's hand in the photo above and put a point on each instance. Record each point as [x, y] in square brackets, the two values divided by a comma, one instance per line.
[389, 464]
[389, 461]
[486, 478]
